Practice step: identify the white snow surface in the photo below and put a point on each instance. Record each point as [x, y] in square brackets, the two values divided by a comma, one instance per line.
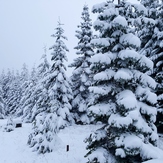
[104, 75]
[102, 58]
[120, 21]
[127, 99]
[110, 12]
[154, 161]
[144, 61]
[14, 148]
[140, 8]
[101, 109]
[123, 74]
[130, 39]
[127, 53]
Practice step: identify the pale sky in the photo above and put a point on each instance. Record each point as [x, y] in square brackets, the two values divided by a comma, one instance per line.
[26, 27]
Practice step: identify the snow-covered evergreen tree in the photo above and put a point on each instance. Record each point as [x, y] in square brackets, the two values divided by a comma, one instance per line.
[2, 109]
[40, 92]
[2, 78]
[150, 33]
[7, 89]
[28, 98]
[24, 81]
[146, 16]
[6, 83]
[81, 76]
[24, 73]
[15, 94]
[44, 66]
[157, 57]
[10, 125]
[123, 92]
[58, 91]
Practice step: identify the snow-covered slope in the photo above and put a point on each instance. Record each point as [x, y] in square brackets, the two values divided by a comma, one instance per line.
[14, 148]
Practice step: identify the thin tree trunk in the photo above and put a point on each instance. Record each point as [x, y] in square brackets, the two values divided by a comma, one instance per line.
[119, 1]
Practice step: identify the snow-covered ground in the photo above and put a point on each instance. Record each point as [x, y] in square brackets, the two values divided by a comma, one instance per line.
[14, 148]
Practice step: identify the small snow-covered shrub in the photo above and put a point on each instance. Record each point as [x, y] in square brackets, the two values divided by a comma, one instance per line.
[9, 126]
[44, 137]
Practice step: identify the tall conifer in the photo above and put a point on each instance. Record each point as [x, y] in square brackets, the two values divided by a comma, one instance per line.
[123, 97]
[57, 102]
[81, 76]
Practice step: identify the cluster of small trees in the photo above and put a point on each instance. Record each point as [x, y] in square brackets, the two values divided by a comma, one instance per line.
[117, 81]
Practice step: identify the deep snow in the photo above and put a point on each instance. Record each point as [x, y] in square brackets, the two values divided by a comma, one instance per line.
[14, 148]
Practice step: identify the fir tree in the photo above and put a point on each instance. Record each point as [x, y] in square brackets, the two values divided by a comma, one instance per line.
[123, 96]
[81, 76]
[57, 114]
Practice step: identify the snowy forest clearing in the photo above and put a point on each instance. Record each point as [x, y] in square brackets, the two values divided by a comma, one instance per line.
[14, 148]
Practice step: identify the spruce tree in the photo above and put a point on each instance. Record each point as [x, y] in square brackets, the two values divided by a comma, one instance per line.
[123, 92]
[82, 76]
[57, 115]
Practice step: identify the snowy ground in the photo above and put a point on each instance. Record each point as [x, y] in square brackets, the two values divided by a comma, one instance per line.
[14, 148]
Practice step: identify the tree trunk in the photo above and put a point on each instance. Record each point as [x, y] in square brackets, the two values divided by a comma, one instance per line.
[119, 1]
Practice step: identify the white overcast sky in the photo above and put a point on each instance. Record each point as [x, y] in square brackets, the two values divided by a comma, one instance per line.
[26, 27]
